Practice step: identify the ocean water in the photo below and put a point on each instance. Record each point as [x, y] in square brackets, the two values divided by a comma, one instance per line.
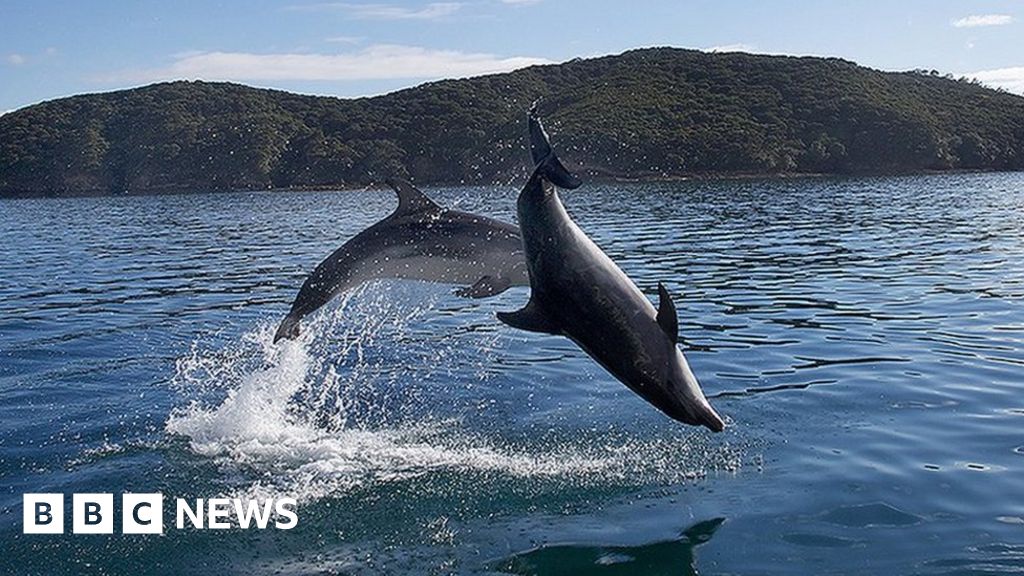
[863, 338]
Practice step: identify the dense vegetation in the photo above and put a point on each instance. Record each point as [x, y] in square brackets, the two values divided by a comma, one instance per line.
[646, 113]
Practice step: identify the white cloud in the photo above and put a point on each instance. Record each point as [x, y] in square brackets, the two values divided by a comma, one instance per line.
[521, 2]
[739, 47]
[344, 39]
[977, 20]
[186, 54]
[1009, 79]
[431, 11]
[375, 62]
[16, 59]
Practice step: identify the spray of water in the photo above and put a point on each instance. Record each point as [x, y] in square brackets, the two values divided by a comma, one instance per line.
[336, 409]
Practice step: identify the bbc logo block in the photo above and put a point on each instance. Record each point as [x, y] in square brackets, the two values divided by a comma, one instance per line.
[142, 514]
[93, 513]
[44, 514]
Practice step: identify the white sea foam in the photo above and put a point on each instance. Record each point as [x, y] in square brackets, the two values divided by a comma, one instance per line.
[259, 410]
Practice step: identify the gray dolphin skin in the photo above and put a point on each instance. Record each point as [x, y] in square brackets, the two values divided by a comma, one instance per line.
[419, 241]
[577, 291]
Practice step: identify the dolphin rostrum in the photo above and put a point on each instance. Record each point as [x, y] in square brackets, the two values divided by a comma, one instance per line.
[577, 291]
[419, 241]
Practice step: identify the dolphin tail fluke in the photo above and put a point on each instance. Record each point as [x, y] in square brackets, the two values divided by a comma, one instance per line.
[288, 330]
[544, 158]
[557, 174]
[540, 144]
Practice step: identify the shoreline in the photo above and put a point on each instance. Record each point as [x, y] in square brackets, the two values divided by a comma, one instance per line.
[595, 178]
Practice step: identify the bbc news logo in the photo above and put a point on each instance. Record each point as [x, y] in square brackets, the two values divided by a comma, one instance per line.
[144, 513]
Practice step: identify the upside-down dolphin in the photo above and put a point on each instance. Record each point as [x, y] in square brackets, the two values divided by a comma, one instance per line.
[577, 291]
[419, 241]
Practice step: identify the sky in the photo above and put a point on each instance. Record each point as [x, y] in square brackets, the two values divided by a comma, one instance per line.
[50, 49]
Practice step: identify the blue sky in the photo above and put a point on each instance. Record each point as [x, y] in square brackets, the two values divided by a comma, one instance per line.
[53, 49]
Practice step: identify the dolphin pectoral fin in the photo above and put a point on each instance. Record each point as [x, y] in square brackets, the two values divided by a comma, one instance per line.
[667, 318]
[410, 198]
[485, 287]
[531, 318]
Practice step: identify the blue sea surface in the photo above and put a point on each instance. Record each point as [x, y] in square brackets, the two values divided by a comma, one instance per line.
[862, 337]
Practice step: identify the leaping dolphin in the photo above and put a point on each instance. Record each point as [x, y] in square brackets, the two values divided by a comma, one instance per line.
[419, 241]
[577, 291]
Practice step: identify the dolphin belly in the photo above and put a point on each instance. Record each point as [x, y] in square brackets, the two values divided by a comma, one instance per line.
[419, 267]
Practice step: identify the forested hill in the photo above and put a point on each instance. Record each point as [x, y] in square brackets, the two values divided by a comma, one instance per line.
[642, 114]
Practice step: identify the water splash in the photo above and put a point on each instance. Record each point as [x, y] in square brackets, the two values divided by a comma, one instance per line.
[335, 410]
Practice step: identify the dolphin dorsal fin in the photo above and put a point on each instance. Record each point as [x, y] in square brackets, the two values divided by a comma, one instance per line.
[410, 198]
[667, 318]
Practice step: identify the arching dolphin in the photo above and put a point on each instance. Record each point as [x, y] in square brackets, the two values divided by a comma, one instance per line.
[419, 241]
[578, 292]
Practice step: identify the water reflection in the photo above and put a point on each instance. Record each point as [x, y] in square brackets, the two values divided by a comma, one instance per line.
[676, 557]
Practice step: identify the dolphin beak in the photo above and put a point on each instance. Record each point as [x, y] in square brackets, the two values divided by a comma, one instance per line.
[698, 412]
[288, 329]
[691, 405]
[706, 416]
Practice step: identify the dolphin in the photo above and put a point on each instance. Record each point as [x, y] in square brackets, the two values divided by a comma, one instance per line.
[419, 241]
[577, 291]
